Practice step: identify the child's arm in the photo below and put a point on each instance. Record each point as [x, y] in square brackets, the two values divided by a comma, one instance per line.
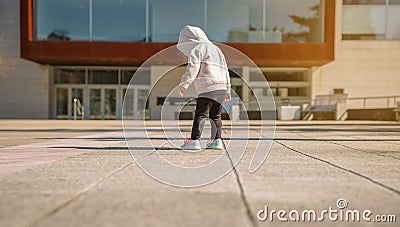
[228, 86]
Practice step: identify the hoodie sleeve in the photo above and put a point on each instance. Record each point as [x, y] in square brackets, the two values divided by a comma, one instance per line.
[228, 78]
[228, 82]
[192, 69]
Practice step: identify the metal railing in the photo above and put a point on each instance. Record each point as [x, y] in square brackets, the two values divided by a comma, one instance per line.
[78, 109]
[389, 101]
[356, 102]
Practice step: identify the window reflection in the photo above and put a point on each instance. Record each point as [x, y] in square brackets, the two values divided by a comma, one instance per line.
[285, 21]
[393, 26]
[168, 17]
[62, 20]
[69, 76]
[251, 21]
[235, 20]
[62, 103]
[141, 77]
[371, 20]
[297, 21]
[364, 2]
[394, 2]
[123, 20]
[103, 77]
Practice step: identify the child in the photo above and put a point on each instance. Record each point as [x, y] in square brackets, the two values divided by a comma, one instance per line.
[208, 70]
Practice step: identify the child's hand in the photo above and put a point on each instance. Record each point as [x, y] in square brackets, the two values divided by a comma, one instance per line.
[228, 97]
[181, 92]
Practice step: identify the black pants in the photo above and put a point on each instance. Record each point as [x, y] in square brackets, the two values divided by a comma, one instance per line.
[208, 105]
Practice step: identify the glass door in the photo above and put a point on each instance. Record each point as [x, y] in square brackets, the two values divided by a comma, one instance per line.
[103, 103]
[77, 93]
[110, 104]
[61, 103]
[95, 104]
[136, 104]
[142, 107]
[128, 96]
[65, 107]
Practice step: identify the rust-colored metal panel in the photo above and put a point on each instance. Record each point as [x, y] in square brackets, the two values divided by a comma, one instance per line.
[135, 53]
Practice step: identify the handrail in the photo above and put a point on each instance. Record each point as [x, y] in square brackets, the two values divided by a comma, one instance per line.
[78, 109]
[388, 99]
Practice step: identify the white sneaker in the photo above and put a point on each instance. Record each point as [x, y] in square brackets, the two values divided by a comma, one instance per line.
[215, 144]
[190, 144]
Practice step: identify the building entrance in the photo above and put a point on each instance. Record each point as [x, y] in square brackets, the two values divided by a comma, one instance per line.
[98, 94]
[94, 103]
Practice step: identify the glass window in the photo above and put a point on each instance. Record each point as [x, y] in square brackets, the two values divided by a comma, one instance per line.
[95, 104]
[168, 17]
[62, 20]
[251, 21]
[103, 77]
[62, 103]
[371, 20]
[123, 20]
[364, 2]
[363, 22]
[69, 76]
[284, 21]
[393, 22]
[286, 92]
[295, 21]
[110, 104]
[285, 76]
[141, 77]
[127, 76]
[235, 20]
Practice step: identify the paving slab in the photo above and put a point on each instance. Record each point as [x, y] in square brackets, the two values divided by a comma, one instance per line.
[131, 198]
[19, 132]
[84, 175]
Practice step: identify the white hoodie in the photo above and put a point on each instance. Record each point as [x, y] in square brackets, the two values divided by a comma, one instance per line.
[206, 67]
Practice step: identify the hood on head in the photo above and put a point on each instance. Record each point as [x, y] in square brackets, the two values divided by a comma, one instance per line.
[189, 37]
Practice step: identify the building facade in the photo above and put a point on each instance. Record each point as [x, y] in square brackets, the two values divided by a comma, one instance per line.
[367, 47]
[55, 52]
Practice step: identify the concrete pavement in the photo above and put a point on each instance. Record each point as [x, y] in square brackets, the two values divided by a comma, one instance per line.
[66, 173]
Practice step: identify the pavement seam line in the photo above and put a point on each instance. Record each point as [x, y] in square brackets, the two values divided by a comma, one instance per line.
[343, 168]
[242, 193]
[385, 142]
[352, 148]
[78, 195]
[356, 149]
[381, 141]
